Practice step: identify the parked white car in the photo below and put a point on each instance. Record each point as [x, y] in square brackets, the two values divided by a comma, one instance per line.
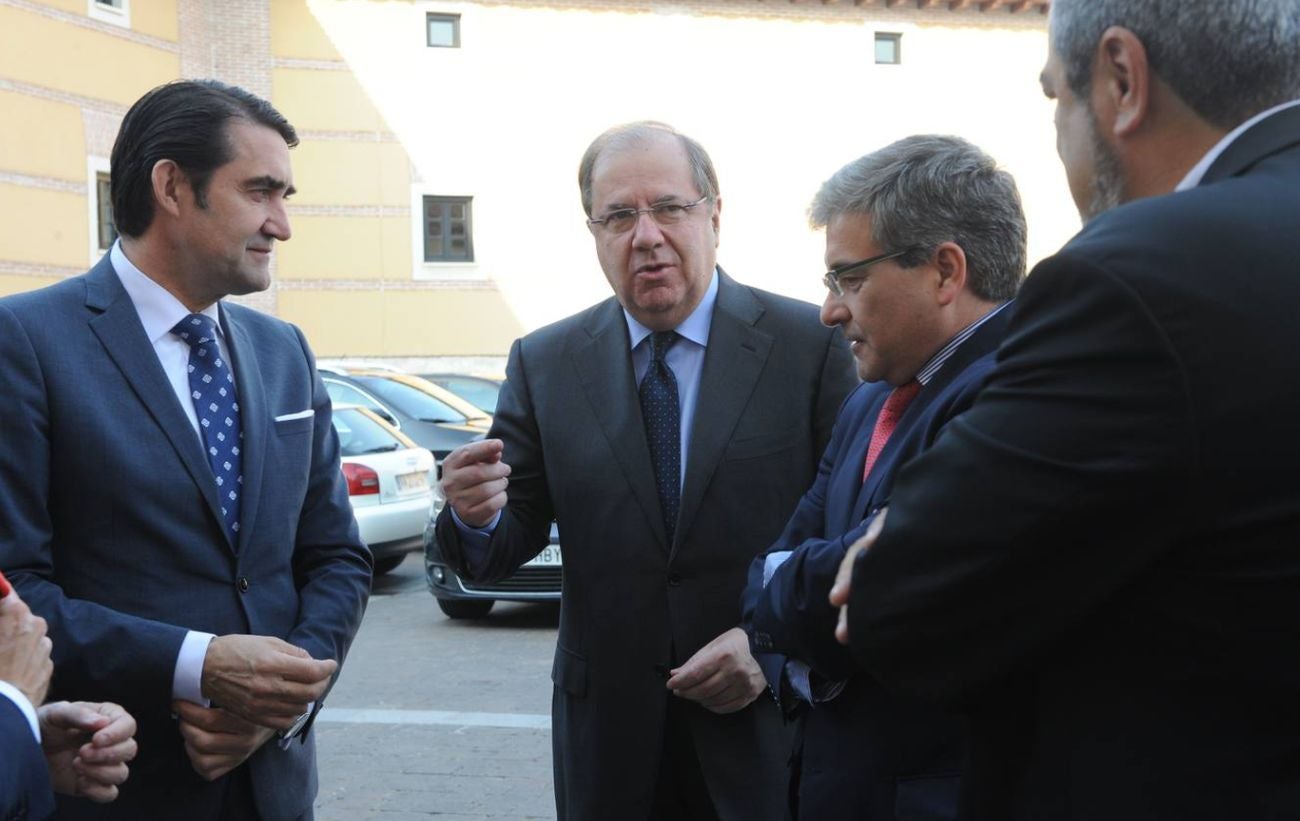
[390, 484]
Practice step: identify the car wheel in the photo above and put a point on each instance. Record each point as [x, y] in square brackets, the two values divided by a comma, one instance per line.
[387, 565]
[465, 608]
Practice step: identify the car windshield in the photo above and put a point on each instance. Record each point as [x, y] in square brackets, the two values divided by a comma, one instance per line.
[481, 392]
[412, 401]
[359, 434]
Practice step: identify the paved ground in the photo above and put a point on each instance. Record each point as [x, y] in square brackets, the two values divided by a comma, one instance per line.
[434, 718]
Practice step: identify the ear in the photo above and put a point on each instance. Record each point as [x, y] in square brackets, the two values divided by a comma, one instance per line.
[717, 221]
[168, 180]
[1121, 82]
[950, 260]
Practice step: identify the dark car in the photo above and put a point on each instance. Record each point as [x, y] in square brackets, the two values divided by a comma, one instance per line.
[482, 391]
[538, 580]
[431, 416]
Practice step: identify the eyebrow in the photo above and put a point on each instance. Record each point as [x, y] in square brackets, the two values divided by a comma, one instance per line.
[664, 200]
[269, 182]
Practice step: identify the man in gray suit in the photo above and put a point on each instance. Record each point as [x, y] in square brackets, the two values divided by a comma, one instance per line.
[669, 431]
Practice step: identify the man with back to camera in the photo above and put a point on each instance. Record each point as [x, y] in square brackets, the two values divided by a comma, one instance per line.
[1099, 560]
[925, 242]
[171, 496]
[668, 431]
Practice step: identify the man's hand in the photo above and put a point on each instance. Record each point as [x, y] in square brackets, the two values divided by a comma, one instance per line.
[474, 481]
[24, 649]
[217, 741]
[844, 578]
[87, 746]
[722, 675]
[263, 679]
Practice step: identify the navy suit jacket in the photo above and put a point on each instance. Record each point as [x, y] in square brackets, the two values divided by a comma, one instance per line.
[865, 753]
[110, 529]
[24, 778]
[1101, 558]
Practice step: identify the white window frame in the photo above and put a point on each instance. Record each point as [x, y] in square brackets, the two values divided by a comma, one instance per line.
[118, 12]
[94, 167]
[450, 271]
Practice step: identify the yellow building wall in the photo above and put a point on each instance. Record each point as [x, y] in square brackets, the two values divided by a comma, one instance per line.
[346, 247]
[17, 285]
[323, 100]
[160, 18]
[52, 54]
[400, 322]
[329, 172]
[295, 34]
[41, 138]
[52, 229]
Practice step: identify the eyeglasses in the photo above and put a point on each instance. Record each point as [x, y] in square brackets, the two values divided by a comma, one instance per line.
[839, 284]
[665, 213]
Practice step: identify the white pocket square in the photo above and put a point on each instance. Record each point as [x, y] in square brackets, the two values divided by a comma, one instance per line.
[307, 414]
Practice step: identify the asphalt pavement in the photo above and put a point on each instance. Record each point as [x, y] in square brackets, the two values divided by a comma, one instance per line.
[435, 718]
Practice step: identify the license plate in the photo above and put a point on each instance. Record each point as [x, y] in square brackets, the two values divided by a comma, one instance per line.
[550, 557]
[419, 480]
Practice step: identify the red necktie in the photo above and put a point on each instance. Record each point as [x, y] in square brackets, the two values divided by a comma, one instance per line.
[895, 404]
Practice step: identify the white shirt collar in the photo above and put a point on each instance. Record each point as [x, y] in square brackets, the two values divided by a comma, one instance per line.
[1194, 176]
[158, 309]
[695, 327]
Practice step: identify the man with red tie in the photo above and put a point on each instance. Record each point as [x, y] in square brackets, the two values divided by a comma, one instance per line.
[925, 241]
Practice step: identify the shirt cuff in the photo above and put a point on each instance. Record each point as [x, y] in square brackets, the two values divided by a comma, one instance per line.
[485, 530]
[772, 561]
[474, 541]
[187, 681]
[20, 701]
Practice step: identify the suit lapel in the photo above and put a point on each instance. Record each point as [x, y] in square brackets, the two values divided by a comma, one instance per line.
[733, 362]
[253, 414]
[603, 361]
[117, 325]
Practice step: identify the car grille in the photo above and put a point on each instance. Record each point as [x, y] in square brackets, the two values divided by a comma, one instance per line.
[525, 580]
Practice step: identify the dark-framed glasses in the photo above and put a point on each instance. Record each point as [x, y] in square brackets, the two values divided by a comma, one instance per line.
[837, 283]
[622, 220]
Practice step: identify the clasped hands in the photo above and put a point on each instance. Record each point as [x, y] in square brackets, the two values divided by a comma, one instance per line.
[257, 685]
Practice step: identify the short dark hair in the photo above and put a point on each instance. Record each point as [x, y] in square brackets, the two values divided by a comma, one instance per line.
[638, 133]
[185, 121]
[929, 189]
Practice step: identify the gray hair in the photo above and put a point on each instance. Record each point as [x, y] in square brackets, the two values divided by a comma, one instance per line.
[925, 190]
[639, 133]
[1227, 60]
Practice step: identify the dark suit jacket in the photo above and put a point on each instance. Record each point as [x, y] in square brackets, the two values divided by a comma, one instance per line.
[865, 753]
[25, 793]
[634, 605]
[111, 529]
[1102, 557]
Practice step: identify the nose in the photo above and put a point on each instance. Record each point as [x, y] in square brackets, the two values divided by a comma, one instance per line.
[833, 311]
[277, 222]
[646, 233]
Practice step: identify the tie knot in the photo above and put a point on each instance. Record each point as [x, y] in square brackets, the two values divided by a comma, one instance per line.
[660, 342]
[196, 330]
[900, 397]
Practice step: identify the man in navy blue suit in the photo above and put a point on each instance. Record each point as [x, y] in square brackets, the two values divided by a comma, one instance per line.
[925, 241]
[169, 481]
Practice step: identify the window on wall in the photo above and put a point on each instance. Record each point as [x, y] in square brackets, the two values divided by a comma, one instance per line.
[117, 12]
[443, 30]
[104, 227]
[889, 48]
[447, 235]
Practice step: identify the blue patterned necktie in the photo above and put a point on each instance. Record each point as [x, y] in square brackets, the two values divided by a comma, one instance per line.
[212, 387]
[663, 427]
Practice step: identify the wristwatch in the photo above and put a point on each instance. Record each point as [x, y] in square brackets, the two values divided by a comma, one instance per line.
[291, 732]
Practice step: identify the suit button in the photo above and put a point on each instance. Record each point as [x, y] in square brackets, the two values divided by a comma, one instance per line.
[243, 584]
[763, 641]
[674, 580]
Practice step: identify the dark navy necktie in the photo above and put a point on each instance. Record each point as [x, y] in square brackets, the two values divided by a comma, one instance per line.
[663, 427]
[212, 387]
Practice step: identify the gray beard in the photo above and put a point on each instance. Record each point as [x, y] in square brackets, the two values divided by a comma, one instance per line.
[1108, 185]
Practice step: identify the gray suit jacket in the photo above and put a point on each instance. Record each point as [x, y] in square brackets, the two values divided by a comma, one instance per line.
[634, 605]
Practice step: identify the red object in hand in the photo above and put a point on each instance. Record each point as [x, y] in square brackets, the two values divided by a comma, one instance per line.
[5, 587]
